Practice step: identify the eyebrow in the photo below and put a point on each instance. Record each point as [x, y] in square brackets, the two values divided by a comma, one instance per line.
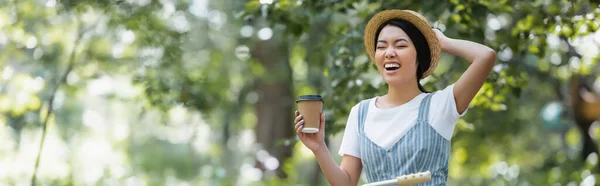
[397, 40]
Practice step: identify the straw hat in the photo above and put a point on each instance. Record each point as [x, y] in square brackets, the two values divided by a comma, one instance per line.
[407, 15]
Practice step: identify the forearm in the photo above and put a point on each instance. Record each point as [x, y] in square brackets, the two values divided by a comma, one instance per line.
[332, 171]
[468, 50]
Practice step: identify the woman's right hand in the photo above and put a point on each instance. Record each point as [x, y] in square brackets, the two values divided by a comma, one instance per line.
[313, 141]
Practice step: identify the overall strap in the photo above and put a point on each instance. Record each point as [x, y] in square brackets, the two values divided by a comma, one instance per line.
[424, 108]
[363, 109]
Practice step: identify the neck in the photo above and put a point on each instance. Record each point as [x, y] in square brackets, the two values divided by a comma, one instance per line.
[400, 94]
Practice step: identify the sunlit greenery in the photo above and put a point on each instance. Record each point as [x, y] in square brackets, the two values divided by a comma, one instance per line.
[201, 92]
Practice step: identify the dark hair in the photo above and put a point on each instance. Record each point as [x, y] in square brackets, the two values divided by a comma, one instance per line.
[418, 40]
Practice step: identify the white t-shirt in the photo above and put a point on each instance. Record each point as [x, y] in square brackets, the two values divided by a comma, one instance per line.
[386, 126]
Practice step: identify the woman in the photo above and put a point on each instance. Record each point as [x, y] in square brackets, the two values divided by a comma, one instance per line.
[407, 130]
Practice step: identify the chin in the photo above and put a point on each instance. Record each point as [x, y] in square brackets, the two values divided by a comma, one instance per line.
[396, 80]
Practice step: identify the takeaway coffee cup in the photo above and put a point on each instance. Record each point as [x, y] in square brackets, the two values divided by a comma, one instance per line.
[310, 107]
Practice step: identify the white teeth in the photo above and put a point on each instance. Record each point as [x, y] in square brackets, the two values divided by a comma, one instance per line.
[391, 65]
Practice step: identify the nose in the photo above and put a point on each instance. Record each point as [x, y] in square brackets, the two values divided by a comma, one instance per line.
[390, 53]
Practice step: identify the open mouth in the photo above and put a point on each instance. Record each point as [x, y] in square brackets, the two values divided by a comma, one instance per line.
[391, 66]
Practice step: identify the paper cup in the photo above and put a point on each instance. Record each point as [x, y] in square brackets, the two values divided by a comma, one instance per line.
[310, 107]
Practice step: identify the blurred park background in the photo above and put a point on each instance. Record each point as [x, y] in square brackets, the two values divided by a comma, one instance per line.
[201, 92]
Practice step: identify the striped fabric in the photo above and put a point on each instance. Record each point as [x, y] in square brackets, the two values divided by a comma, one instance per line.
[420, 149]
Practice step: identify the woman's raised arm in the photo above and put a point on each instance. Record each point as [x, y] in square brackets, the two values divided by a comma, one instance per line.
[482, 60]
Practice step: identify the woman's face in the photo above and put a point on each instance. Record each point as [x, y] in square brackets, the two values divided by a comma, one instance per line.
[396, 56]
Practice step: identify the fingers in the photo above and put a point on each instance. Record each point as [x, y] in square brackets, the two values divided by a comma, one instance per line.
[299, 124]
[298, 118]
[299, 129]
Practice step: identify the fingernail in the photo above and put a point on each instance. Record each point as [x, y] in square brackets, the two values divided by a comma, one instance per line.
[301, 121]
[301, 126]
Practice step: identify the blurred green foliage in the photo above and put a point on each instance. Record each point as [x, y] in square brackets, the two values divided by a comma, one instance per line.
[160, 92]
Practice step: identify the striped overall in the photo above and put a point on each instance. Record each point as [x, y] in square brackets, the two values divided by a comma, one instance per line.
[420, 149]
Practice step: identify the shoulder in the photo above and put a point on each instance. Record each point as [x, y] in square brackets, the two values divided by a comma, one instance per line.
[364, 102]
[356, 108]
[444, 98]
[444, 93]
[443, 114]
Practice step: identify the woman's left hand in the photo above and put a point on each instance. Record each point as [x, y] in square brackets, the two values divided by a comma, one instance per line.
[442, 38]
[482, 60]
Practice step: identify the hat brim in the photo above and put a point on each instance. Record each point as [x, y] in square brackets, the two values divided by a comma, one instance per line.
[407, 15]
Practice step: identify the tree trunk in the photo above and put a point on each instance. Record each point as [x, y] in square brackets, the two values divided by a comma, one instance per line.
[274, 107]
[586, 108]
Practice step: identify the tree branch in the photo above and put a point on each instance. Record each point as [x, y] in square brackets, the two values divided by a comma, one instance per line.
[62, 80]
